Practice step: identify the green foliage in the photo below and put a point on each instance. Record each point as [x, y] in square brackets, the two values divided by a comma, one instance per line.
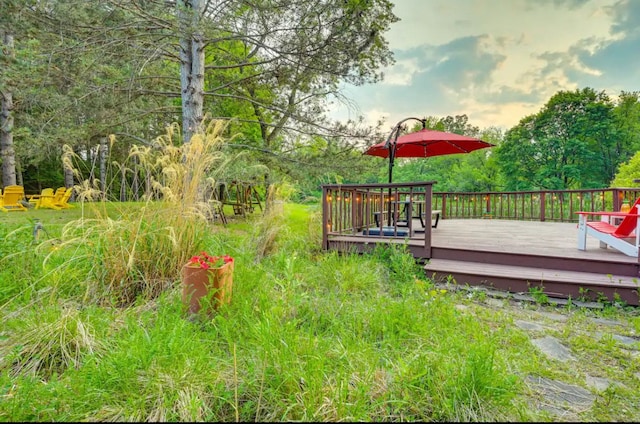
[85, 70]
[538, 294]
[401, 266]
[627, 118]
[269, 226]
[49, 340]
[576, 141]
[303, 339]
[75, 86]
[628, 172]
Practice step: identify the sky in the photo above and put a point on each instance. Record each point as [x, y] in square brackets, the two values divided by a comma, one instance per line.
[498, 61]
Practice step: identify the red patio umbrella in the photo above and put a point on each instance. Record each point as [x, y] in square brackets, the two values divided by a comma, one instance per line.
[422, 144]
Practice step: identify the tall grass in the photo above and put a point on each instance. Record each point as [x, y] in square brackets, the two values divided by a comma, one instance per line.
[138, 252]
[50, 340]
[309, 335]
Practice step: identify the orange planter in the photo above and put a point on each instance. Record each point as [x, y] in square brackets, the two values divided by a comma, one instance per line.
[213, 284]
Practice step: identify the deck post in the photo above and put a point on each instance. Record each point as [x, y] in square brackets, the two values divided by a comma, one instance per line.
[616, 199]
[325, 218]
[354, 212]
[428, 192]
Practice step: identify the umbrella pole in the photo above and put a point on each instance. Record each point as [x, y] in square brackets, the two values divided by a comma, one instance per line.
[391, 154]
[391, 145]
[390, 166]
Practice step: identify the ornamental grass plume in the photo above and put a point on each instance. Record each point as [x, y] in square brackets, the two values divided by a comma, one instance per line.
[140, 252]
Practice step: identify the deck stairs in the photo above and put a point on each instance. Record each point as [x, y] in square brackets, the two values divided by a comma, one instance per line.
[556, 277]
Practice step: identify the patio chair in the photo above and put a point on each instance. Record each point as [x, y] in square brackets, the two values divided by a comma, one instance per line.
[60, 191]
[63, 201]
[12, 198]
[45, 200]
[623, 237]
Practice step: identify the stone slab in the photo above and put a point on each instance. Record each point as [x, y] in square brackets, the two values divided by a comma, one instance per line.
[551, 347]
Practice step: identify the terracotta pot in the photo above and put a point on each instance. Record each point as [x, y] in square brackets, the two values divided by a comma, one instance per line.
[214, 284]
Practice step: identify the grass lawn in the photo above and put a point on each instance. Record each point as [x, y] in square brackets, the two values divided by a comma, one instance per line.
[308, 336]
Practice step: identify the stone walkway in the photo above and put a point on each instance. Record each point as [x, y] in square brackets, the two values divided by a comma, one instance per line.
[591, 358]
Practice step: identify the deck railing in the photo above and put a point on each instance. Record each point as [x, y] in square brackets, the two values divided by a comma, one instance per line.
[358, 210]
[549, 205]
[361, 210]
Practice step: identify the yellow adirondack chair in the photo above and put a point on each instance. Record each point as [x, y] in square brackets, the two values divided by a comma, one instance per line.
[2, 202]
[59, 193]
[44, 200]
[13, 195]
[63, 201]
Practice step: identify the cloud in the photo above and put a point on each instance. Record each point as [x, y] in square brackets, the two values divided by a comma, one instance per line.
[560, 4]
[441, 80]
[626, 16]
[507, 94]
[465, 63]
[497, 64]
[602, 64]
[453, 69]
[401, 73]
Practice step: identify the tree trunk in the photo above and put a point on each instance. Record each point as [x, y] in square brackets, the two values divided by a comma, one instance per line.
[268, 195]
[104, 153]
[191, 66]
[123, 184]
[6, 124]
[68, 170]
[135, 184]
[19, 179]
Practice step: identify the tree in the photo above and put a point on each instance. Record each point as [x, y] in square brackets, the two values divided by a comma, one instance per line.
[7, 61]
[277, 55]
[191, 53]
[570, 143]
[628, 173]
[627, 124]
[65, 91]
[518, 156]
[131, 67]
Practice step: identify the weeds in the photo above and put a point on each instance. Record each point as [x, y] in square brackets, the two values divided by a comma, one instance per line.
[539, 295]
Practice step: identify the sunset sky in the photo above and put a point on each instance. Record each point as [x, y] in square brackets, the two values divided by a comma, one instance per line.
[498, 61]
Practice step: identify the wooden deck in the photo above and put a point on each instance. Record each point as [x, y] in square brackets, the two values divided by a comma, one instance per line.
[517, 255]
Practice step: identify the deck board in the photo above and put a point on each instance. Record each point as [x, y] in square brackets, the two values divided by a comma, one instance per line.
[558, 239]
[530, 273]
[528, 237]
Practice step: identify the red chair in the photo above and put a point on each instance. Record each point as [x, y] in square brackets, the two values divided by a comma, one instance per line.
[622, 237]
